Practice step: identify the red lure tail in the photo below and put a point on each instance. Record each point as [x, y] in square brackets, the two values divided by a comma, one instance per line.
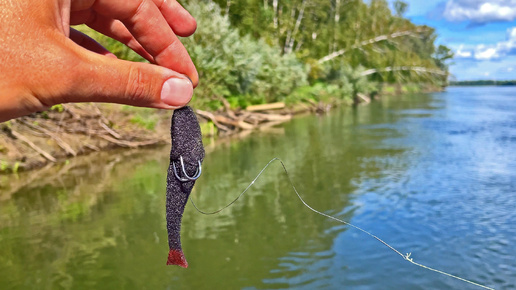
[176, 257]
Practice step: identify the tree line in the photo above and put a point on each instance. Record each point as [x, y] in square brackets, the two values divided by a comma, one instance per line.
[261, 51]
[484, 83]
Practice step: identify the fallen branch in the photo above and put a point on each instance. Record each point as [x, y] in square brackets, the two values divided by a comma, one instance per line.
[109, 130]
[210, 116]
[265, 107]
[271, 117]
[364, 98]
[239, 124]
[92, 147]
[129, 144]
[33, 146]
[65, 146]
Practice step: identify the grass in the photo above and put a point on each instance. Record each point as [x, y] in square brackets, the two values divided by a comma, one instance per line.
[143, 117]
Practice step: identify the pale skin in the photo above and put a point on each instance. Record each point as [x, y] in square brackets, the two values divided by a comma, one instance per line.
[43, 62]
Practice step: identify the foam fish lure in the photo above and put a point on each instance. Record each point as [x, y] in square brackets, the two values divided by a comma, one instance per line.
[186, 156]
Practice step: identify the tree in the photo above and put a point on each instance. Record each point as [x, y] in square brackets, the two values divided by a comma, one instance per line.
[326, 33]
[400, 7]
[442, 56]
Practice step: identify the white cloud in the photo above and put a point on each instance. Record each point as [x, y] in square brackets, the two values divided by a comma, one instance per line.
[475, 70]
[486, 53]
[490, 52]
[461, 53]
[480, 11]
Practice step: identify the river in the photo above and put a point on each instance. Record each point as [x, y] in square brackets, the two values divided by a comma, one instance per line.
[430, 174]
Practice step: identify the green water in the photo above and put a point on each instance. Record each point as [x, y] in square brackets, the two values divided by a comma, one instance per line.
[430, 174]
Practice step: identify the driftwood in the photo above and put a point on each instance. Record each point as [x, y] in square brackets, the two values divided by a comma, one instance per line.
[129, 144]
[235, 123]
[246, 120]
[363, 98]
[33, 146]
[75, 130]
[266, 107]
[211, 117]
[109, 130]
[65, 146]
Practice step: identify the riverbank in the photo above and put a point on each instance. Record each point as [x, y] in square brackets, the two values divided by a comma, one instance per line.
[71, 130]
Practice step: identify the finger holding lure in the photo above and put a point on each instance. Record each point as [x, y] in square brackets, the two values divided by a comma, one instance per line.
[186, 156]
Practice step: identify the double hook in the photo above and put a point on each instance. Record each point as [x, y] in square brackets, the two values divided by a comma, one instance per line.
[187, 177]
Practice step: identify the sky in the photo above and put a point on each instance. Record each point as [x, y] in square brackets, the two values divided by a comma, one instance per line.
[481, 33]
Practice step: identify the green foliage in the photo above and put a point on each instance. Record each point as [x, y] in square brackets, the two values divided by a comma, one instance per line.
[208, 128]
[389, 89]
[143, 122]
[57, 108]
[253, 51]
[240, 69]
[351, 79]
[400, 7]
[320, 92]
[410, 88]
[16, 167]
[6, 126]
[363, 33]
[144, 117]
[117, 48]
[442, 57]
[4, 166]
[8, 167]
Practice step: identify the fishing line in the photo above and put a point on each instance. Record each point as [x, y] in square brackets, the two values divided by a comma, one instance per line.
[406, 257]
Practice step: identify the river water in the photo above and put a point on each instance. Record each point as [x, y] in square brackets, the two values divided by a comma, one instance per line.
[430, 174]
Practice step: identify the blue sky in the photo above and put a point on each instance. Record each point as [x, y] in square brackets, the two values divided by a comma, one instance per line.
[482, 33]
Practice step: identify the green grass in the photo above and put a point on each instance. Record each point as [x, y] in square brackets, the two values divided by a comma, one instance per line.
[143, 117]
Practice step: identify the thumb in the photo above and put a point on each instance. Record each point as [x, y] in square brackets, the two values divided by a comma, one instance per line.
[97, 78]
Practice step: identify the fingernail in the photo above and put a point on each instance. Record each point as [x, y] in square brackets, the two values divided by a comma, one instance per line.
[176, 92]
[189, 79]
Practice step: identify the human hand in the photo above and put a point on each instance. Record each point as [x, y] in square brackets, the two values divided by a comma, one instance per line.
[43, 62]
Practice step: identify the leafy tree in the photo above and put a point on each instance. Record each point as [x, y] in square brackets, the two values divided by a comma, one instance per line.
[238, 66]
[320, 31]
[400, 7]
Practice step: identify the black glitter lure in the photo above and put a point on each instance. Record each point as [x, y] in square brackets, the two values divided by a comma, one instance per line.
[186, 156]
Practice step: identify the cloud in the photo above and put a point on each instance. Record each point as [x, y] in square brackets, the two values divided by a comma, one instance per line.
[480, 11]
[460, 53]
[490, 52]
[486, 53]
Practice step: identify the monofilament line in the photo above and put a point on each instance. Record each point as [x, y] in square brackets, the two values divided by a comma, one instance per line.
[405, 257]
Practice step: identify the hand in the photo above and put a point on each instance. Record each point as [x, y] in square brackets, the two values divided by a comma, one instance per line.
[44, 62]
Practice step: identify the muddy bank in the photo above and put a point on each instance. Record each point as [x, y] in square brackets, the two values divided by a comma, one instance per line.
[71, 130]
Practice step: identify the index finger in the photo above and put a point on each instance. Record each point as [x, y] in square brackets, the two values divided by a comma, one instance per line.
[177, 17]
[149, 27]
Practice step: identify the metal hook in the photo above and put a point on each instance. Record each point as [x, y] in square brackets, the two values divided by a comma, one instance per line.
[187, 177]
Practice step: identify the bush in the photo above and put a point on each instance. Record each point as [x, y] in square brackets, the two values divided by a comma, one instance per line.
[242, 70]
